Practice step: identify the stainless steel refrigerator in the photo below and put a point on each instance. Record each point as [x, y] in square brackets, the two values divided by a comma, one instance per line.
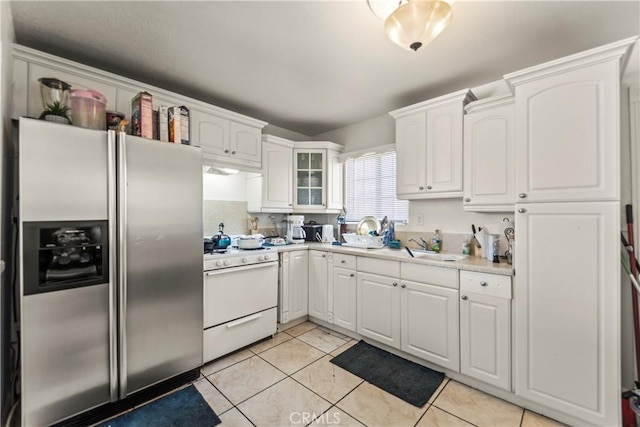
[110, 243]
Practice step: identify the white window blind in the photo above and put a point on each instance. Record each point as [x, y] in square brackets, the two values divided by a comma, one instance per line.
[370, 183]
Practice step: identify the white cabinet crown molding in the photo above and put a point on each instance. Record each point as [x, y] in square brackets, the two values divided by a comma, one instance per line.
[42, 58]
[489, 103]
[277, 140]
[327, 145]
[379, 149]
[619, 49]
[464, 95]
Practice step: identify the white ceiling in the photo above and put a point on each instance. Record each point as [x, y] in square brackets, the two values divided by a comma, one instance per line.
[313, 66]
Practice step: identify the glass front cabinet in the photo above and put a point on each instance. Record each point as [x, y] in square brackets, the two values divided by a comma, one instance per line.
[317, 177]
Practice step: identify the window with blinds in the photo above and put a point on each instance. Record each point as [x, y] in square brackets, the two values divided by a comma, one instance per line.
[370, 188]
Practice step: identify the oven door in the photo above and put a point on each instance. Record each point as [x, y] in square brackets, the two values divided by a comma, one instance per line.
[235, 292]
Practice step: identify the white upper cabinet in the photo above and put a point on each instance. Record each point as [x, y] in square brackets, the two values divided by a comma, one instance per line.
[245, 142]
[227, 139]
[429, 147]
[272, 191]
[317, 177]
[410, 155]
[489, 155]
[567, 115]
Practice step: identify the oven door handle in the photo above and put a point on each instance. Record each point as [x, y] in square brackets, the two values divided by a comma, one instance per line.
[242, 268]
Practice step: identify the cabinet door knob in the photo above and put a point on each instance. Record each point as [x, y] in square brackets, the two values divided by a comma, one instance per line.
[464, 297]
[226, 151]
[395, 284]
[352, 275]
[421, 188]
[522, 210]
[343, 261]
[233, 152]
[429, 187]
[290, 204]
[403, 286]
[467, 199]
[522, 195]
[483, 283]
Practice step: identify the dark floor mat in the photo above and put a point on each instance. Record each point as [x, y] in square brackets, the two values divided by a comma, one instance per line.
[404, 379]
[184, 408]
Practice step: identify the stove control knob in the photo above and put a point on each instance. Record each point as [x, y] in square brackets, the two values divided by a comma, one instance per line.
[261, 258]
[267, 257]
[219, 264]
[244, 260]
[227, 262]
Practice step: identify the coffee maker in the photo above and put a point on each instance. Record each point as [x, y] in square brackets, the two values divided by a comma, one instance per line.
[295, 232]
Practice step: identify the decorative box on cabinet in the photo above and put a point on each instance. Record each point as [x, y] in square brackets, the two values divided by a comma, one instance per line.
[272, 190]
[489, 155]
[429, 147]
[317, 177]
[293, 284]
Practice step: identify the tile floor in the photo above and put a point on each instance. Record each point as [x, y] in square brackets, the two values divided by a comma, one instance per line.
[289, 381]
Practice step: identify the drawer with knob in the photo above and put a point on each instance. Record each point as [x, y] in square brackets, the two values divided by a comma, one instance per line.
[485, 284]
[344, 261]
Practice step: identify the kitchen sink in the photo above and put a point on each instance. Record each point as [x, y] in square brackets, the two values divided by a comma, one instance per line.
[437, 256]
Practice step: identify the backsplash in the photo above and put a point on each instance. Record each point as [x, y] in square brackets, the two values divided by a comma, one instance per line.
[232, 214]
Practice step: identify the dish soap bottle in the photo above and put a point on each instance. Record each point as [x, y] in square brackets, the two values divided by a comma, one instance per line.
[466, 246]
[435, 241]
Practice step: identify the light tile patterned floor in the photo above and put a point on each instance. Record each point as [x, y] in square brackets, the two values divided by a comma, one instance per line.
[290, 381]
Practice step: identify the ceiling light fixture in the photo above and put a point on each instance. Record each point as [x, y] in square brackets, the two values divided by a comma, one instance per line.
[412, 24]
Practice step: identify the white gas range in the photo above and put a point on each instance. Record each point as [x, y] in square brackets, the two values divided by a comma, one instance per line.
[240, 299]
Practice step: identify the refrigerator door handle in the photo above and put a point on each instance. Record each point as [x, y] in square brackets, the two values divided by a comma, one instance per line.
[113, 254]
[122, 262]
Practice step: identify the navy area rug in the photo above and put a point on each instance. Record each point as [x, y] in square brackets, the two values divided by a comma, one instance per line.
[183, 408]
[404, 379]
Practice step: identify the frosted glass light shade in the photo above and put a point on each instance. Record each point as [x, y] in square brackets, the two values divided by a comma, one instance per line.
[383, 8]
[417, 22]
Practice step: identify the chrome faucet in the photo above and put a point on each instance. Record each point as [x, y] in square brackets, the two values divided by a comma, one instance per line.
[423, 245]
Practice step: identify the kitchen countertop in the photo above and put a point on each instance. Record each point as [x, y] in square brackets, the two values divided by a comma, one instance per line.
[470, 263]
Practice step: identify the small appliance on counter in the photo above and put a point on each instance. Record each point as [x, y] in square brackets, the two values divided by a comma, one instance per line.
[312, 231]
[218, 242]
[295, 229]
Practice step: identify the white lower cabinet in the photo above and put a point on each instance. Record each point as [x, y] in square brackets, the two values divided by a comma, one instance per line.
[293, 285]
[485, 328]
[318, 283]
[429, 323]
[378, 312]
[344, 298]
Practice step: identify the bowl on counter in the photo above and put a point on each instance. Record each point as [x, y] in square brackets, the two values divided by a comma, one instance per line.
[249, 243]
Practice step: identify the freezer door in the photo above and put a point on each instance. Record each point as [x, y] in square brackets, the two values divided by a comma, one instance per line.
[68, 352]
[160, 220]
[65, 357]
[62, 172]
